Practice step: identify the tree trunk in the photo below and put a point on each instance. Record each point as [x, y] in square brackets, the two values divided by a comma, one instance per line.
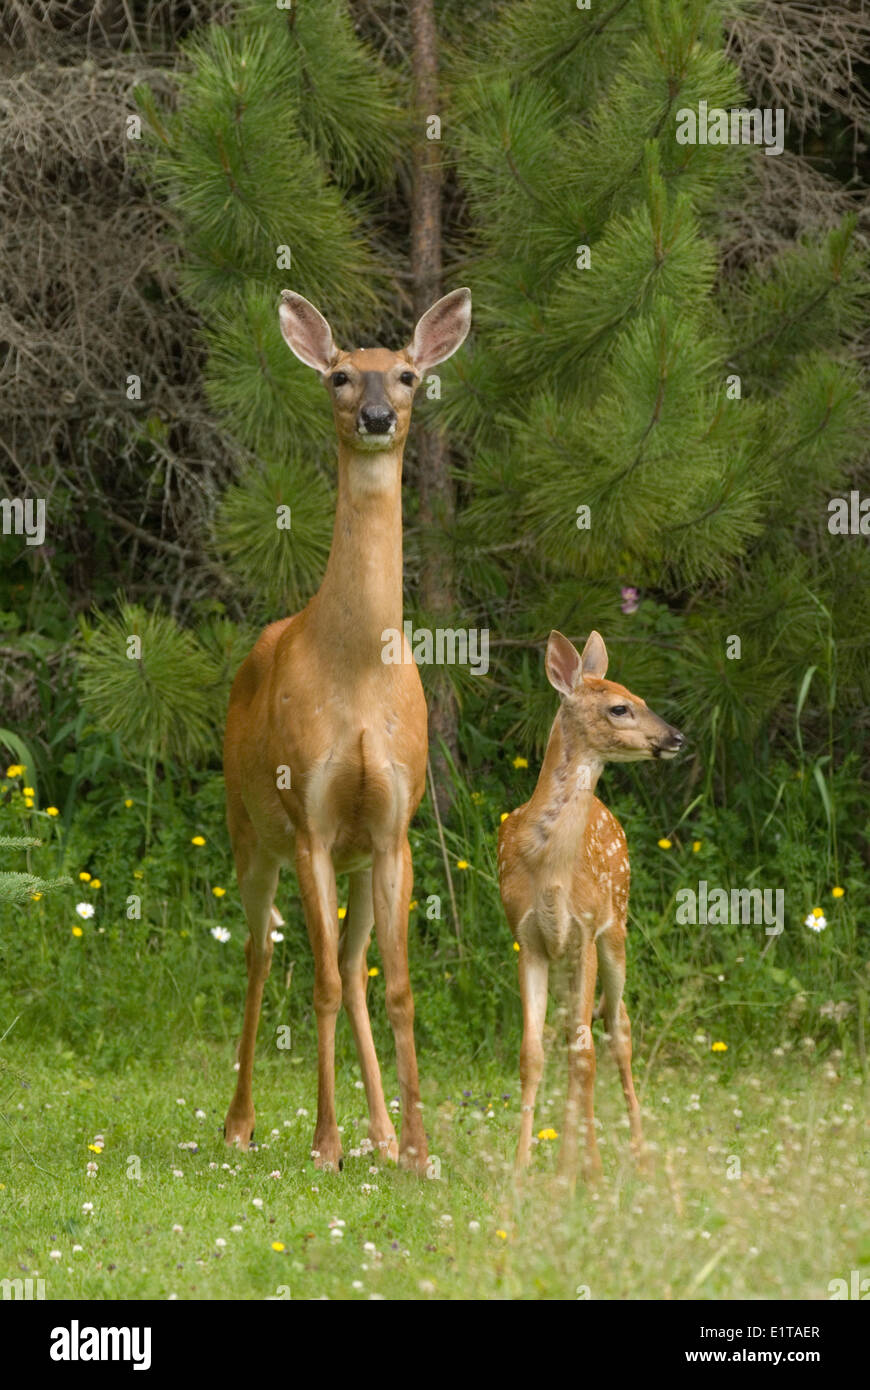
[437, 499]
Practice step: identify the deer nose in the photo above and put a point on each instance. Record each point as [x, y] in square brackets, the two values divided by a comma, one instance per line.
[678, 740]
[376, 419]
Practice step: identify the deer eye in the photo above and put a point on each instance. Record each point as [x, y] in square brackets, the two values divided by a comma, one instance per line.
[340, 378]
[407, 378]
[618, 709]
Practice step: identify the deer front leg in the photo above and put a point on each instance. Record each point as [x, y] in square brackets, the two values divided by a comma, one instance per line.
[612, 956]
[534, 971]
[581, 1074]
[258, 879]
[354, 982]
[319, 899]
[392, 879]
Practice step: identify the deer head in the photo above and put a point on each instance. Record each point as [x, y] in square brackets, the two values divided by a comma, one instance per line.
[372, 389]
[611, 722]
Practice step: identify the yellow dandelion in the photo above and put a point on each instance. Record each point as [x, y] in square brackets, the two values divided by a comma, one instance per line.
[342, 913]
[28, 803]
[52, 811]
[36, 897]
[95, 1148]
[818, 912]
[837, 892]
[85, 876]
[516, 945]
[128, 802]
[696, 845]
[95, 883]
[77, 931]
[373, 971]
[521, 762]
[719, 1047]
[198, 840]
[219, 892]
[547, 1134]
[502, 1235]
[504, 815]
[28, 791]
[412, 905]
[462, 864]
[15, 770]
[664, 844]
[278, 1245]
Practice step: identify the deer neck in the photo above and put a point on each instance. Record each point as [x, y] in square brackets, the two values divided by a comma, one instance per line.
[564, 796]
[361, 593]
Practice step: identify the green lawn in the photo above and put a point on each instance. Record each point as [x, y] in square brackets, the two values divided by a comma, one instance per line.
[792, 1216]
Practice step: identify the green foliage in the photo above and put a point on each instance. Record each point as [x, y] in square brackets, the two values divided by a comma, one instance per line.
[279, 566]
[16, 887]
[157, 701]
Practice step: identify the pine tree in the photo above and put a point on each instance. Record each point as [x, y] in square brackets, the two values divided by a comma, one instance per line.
[703, 416]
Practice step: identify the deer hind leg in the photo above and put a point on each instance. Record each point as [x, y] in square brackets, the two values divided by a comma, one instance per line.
[580, 1106]
[258, 878]
[611, 950]
[316, 876]
[353, 946]
[392, 880]
[534, 972]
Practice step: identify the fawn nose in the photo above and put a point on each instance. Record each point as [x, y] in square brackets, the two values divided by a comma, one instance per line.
[677, 740]
[376, 419]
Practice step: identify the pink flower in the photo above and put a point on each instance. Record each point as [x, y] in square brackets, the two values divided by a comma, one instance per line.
[629, 599]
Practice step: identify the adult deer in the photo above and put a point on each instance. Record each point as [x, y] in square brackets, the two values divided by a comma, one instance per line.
[564, 875]
[315, 697]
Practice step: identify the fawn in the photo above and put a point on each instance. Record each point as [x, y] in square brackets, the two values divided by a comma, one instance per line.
[564, 876]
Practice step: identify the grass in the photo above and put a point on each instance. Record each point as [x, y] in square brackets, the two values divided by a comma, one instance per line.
[759, 1186]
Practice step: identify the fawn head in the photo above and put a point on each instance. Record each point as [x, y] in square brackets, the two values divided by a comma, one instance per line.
[372, 389]
[612, 723]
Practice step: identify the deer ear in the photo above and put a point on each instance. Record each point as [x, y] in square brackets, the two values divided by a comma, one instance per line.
[441, 330]
[595, 656]
[563, 665]
[306, 332]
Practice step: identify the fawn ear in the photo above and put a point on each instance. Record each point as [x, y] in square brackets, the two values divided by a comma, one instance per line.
[441, 330]
[563, 665]
[306, 332]
[595, 656]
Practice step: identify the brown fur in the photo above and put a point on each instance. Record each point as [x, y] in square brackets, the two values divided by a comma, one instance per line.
[564, 880]
[315, 697]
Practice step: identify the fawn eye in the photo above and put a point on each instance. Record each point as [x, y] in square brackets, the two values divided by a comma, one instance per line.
[407, 378]
[340, 378]
[618, 709]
